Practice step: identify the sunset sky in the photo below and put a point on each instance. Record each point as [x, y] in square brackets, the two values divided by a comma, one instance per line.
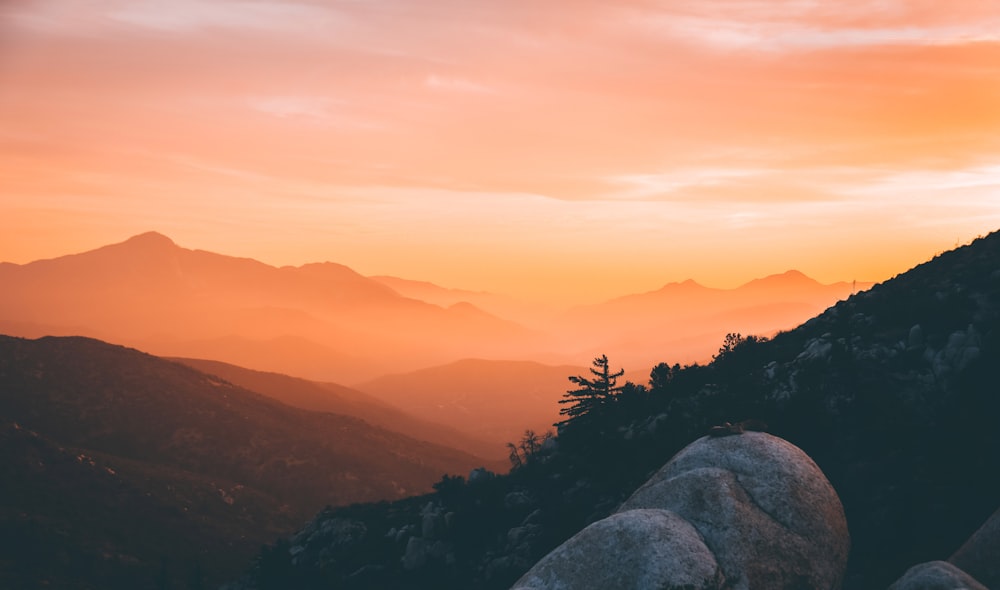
[549, 149]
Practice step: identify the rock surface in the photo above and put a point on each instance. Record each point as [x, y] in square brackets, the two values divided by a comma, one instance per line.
[764, 508]
[648, 548]
[739, 512]
[980, 555]
[936, 575]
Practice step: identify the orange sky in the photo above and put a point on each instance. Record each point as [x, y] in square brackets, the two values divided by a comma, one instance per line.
[561, 149]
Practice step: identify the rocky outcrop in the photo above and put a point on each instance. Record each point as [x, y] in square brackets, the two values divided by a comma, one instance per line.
[936, 575]
[980, 555]
[646, 548]
[765, 509]
[745, 511]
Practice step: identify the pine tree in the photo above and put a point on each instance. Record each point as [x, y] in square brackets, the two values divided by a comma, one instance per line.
[591, 393]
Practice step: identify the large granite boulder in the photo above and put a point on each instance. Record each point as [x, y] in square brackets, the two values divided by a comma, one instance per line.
[980, 555]
[764, 508]
[646, 548]
[936, 575]
[734, 512]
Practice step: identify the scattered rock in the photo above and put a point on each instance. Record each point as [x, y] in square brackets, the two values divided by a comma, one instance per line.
[915, 338]
[519, 534]
[517, 501]
[532, 518]
[416, 553]
[980, 555]
[431, 521]
[634, 549]
[936, 575]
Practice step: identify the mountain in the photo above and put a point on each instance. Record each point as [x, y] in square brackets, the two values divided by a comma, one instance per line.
[892, 392]
[99, 438]
[494, 400]
[522, 312]
[339, 399]
[685, 322]
[325, 322]
[149, 292]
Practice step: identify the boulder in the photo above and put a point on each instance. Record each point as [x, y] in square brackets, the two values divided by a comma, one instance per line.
[762, 506]
[936, 575]
[980, 555]
[416, 553]
[638, 549]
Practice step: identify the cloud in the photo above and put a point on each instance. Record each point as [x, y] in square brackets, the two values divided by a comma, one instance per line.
[937, 181]
[777, 26]
[312, 107]
[654, 185]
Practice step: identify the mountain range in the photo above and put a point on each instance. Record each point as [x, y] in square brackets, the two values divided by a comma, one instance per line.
[326, 322]
[179, 467]
[320, 321]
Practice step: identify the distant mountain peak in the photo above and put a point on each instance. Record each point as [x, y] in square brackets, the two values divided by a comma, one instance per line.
[688, 284]
[794, 274]
[785, 279]
[151, 239]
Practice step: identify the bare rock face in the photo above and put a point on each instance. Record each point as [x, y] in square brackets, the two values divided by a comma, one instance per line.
[764, 508]
[734, 512]
[936, 575]
[980, 555]
[641, 549]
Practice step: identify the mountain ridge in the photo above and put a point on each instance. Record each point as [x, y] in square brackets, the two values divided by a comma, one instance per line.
[891, 392]
[147, 291]
[195, 459]
[341, 399]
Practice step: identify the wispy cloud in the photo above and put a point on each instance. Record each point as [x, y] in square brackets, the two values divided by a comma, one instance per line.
[807, 25]
[908, 182]
[311, 107]
[662, 184]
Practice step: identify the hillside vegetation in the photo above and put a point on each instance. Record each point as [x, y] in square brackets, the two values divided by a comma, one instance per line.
[128, 463]
[891, 392]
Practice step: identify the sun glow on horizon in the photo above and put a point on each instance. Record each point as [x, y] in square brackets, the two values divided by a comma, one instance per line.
[558, 152]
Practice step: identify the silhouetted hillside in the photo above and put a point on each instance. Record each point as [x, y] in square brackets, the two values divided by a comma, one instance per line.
[119, 459]
[74, 518]
[339, 399]
[892, 392]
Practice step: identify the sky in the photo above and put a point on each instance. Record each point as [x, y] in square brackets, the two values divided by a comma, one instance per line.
[569, 151]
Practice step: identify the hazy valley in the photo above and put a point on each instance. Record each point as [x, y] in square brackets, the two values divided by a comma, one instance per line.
[326, 322]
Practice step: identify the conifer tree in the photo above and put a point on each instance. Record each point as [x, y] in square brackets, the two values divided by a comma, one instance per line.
[591, 392]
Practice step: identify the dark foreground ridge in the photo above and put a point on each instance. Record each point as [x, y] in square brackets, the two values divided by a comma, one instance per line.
[892, 393]
[124, 470]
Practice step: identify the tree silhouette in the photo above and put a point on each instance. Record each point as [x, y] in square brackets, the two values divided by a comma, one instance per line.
[523, 453]
[592, 392]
